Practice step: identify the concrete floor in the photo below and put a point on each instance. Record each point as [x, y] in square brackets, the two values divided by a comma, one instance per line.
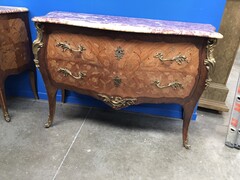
[88, 143]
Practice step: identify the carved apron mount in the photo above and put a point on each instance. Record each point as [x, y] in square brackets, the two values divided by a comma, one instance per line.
[117, 102]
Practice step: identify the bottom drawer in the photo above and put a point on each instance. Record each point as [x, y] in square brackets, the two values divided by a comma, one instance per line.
[99, 80]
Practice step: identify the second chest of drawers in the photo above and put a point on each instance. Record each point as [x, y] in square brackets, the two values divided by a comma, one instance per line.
[15, 49]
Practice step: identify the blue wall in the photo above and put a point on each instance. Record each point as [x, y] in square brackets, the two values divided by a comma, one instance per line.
[199, 11]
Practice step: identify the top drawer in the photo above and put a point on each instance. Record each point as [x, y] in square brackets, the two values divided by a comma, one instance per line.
[124, 55]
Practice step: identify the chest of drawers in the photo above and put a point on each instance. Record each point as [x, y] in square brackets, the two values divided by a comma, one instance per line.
[15, 49]
[124, 61]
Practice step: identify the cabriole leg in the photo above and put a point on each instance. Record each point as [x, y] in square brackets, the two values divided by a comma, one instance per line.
[3, 103]
[33, 81]
[187, 114]
[51, 91]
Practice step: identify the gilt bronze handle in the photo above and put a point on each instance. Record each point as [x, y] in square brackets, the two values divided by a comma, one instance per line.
[65, 46]
[67, 72]
[174, 85]
[179, 59]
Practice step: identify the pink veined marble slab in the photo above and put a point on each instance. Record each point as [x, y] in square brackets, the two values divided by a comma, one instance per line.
[127, 24]
[11, 9]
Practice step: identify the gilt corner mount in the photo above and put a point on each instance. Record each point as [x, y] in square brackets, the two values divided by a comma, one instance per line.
[210, 61]
[38, 43]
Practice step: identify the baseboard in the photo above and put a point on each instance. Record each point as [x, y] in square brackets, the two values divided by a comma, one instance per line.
[214, 105]
[214, 97]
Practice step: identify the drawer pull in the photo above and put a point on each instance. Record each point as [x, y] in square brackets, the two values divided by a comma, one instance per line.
[66, 46]
[117, 102]
[179, 59]
[119, 53]
[174, 85]
[66, 73]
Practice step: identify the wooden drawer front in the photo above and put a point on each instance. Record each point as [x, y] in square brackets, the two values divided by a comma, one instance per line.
[83, 76]
[94, 52]
[152, 84]
[120, 54]
[14, 45]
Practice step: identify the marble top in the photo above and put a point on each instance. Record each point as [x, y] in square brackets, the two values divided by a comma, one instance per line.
[11, 9]
[126, 24]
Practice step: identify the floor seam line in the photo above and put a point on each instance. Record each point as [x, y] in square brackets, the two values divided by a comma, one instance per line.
[74, 139]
